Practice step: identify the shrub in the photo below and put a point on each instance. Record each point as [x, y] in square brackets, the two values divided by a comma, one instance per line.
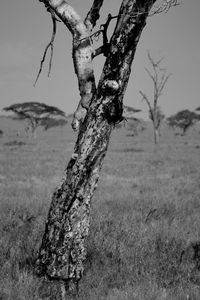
[15, 143]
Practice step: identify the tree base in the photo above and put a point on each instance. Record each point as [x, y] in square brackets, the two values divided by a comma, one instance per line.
[58, 290]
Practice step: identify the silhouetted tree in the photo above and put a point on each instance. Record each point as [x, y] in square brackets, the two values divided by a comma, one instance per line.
[159, 77]
[62, 251]
[184, 120]
[34, 113]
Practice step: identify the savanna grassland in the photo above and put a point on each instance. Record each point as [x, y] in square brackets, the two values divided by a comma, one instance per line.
[144, 241]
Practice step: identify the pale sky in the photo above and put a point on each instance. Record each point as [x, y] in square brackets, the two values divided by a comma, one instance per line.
[25, 30]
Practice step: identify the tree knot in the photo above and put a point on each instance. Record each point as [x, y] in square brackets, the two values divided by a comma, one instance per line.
[111, 86]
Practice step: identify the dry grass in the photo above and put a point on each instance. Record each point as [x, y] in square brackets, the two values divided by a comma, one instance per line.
[145, 217]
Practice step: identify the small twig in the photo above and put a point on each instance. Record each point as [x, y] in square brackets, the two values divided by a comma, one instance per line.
[51, 46]
[164, 7]
[144, 97]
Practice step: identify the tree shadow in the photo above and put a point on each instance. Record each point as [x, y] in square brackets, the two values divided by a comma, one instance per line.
[15, 143]
[127, 150]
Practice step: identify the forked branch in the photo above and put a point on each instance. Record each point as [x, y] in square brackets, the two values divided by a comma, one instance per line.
[51, 46]
[144, 97]
[163, 82]
[159, 76]
[82, 54]
[103, 30]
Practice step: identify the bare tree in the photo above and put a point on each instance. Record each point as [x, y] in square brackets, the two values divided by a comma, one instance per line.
[62, 251]
[159, 77]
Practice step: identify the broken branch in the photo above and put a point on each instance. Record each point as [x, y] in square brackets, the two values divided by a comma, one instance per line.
[51, 46]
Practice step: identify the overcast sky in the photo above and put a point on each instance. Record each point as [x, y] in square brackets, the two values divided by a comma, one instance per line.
[25, 29]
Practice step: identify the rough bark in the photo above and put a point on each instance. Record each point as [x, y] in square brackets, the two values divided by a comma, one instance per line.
[62, 252]
[93, 14]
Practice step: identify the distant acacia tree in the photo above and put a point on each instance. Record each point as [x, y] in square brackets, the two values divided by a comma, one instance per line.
[35, 114]
[63, 251]
[159, 77]
[184, 120]
[136, 126]
[48, 123]
[197, 109]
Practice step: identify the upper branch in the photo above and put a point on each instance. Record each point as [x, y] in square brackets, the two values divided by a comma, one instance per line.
[144, 97]
[103, 29]
[82, 54]
[159, 77]
[93, 14]
[163, 82]
[67, 15]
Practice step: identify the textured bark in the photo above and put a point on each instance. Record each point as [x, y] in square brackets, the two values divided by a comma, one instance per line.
[93, 14]
[62, 252]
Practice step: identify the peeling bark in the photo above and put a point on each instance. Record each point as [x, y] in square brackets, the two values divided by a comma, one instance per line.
[62, 252]
[81, 52]
[82, 57]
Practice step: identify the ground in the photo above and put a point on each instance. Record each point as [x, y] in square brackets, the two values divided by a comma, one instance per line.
[145, 218]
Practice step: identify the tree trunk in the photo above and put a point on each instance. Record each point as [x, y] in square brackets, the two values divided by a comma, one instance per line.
[62, 252]
[31, 128]
[156, 135]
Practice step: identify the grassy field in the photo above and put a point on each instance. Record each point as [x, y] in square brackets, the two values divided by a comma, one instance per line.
[145, 218]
